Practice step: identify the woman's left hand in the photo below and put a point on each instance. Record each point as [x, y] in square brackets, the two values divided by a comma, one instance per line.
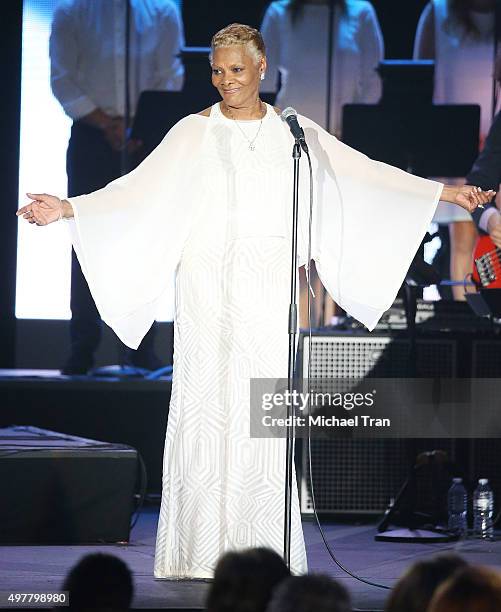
[469, 197]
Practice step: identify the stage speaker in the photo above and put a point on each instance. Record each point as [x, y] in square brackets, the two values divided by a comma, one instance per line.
[484, 454]
[361, 476]
[60, 489]
[486, 359]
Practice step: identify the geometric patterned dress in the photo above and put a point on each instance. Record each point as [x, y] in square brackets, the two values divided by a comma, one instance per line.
[222, 489]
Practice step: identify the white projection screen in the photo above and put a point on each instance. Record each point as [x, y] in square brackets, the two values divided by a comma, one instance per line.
[44, 253]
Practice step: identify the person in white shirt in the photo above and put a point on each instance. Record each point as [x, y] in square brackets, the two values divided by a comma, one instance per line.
[459, 36]
[296, 36]
[296, 33]
[88, 78]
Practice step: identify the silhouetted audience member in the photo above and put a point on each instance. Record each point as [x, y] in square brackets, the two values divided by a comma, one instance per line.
[244, 580]
[310, 594]
[472, 589]
[99, 581]
[416, 587]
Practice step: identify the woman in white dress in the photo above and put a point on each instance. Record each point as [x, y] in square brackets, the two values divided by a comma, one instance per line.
[459, 36]
[212, 204]
[296, 35]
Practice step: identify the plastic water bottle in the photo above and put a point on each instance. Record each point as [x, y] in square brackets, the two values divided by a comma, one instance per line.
[483, 510]
[457, 500]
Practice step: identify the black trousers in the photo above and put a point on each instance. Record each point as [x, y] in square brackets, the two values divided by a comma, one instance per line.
[90, 164]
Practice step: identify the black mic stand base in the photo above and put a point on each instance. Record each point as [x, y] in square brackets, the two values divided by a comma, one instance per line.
[417, 536]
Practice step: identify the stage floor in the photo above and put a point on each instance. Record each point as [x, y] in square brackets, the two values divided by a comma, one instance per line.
[42, 568]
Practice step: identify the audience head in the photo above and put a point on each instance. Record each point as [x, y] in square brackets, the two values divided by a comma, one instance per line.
[99, 581]
[415, 588]
[471, 589]
[310, 594]
[244, 581]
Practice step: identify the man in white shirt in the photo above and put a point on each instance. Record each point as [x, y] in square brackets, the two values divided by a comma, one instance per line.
[89, 78]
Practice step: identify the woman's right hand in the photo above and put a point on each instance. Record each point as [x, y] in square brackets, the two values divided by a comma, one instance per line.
[43, 209]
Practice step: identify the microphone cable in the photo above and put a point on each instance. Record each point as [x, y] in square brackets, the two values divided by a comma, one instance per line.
[310, 468]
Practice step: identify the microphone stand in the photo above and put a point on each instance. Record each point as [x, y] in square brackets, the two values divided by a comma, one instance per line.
[289, 451]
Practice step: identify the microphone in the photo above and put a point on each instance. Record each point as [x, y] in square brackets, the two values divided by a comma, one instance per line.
[289, 115]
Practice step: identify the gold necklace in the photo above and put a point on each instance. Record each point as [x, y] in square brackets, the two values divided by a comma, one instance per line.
[252, 146]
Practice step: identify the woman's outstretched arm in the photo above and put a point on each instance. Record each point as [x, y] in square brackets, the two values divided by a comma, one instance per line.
[466, 196]
[45, 208]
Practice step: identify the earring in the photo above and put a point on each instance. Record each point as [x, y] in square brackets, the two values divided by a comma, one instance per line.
[262, 76]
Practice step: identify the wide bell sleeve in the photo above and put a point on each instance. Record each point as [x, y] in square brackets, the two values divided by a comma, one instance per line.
[369, 220]
[129, 236]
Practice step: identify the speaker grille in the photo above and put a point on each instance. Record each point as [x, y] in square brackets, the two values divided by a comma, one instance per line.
[355, 476]
[486, 362]
[484, 454]
[377, 356]
[361, 476]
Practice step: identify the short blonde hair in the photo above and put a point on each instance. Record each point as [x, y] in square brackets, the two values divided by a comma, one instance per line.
[239, 34]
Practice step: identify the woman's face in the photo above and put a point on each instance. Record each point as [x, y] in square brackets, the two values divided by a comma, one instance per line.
[236, 75]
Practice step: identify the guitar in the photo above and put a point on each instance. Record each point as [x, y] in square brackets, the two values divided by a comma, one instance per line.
[487, 264]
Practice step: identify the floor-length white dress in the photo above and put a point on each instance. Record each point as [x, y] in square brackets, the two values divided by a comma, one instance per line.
[218, 213]
[299, 50]
[222, 489]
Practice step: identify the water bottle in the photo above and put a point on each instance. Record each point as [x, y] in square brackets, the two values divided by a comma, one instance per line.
[457, 500]
[483, 510]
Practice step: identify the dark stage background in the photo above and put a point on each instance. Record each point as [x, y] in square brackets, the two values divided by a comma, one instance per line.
[398, 21]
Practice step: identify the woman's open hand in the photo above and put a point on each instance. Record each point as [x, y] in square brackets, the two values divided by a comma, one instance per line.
[44, 209]
[469, 197]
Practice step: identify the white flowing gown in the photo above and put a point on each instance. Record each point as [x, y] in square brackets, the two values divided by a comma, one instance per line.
[206, 206]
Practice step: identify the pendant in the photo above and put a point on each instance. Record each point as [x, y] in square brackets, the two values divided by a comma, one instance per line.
[252, 147]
